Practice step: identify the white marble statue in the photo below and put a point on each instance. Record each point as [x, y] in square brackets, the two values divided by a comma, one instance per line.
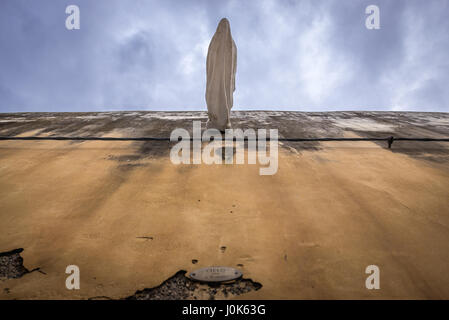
[220, 68]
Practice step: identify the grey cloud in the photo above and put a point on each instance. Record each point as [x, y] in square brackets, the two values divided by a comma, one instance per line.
[292, 55]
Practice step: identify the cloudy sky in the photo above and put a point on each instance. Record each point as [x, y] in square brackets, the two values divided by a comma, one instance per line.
[292, 55]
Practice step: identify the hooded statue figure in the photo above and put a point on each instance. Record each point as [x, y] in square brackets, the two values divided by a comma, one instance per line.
[220, 68]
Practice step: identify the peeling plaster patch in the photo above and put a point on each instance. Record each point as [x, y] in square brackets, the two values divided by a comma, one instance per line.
[179, 287]
[11, 264]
